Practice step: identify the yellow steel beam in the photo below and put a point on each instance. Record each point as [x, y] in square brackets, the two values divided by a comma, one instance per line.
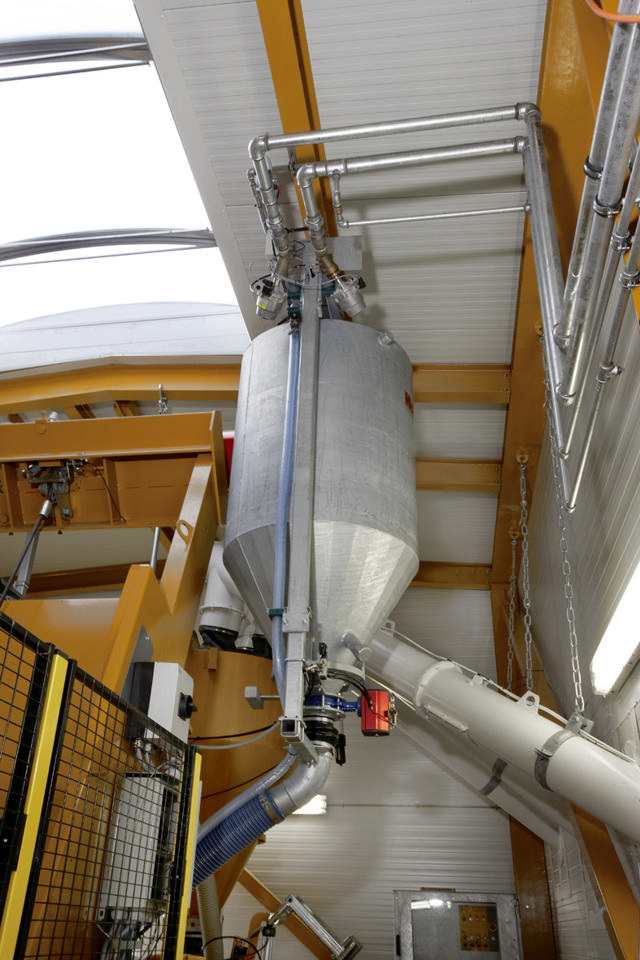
[106, 437]
[209, 382]
[76, 390]
[452, 576]
[286, 44]
[477, 476]
[461, 383]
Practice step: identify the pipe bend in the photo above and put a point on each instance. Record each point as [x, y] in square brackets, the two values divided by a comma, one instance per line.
[306, 780]
[306, 174]
[258, 147]
[526, 110]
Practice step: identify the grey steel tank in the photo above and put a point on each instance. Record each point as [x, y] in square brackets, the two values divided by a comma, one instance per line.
[364, 529]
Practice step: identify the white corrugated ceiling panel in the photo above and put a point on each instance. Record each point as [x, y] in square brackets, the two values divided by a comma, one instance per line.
[459, 431]
[455, 624]
[456, 527]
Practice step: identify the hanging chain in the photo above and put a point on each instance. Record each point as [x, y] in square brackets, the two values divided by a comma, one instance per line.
[564, 550]
[512, 616]
[566, 573]
[526, 597]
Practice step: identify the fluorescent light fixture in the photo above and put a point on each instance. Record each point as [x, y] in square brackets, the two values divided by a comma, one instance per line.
[315, 807]
[620, 640]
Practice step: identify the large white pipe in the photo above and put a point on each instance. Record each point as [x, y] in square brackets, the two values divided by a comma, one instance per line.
[582, 770]
[504, 786]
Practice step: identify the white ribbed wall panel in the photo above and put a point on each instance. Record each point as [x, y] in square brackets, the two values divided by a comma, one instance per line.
[604, 532]
[579, 928]
[411, 827]
[459, 431]
[456, 527]
[455, 624]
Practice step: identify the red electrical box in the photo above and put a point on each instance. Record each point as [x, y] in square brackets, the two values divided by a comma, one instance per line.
[375, 718]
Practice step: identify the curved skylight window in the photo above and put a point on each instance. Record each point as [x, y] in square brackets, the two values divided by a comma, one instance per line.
[94, 151]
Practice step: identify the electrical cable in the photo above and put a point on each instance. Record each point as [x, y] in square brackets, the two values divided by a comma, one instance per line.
[243, 743]
[612, 17]
[256, 952]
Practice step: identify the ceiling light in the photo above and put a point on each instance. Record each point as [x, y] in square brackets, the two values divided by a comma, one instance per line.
[621, 638]
[315, 807]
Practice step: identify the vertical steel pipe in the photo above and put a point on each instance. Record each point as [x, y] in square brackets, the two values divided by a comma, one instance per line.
[593, 166]
[606, 207]
[620, 241]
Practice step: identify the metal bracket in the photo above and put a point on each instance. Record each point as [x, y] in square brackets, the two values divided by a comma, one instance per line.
[573, 727]
[53, 482]
[496, 777]
[296, 621]
[255, 699]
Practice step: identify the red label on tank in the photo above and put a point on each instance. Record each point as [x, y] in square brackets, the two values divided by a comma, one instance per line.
[408, 402]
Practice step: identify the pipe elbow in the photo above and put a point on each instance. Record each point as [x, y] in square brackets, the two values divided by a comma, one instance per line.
[304, 783]
[258, 147]
[306, 175]
[526, 110]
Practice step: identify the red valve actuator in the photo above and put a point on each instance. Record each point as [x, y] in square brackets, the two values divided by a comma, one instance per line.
[375, 718]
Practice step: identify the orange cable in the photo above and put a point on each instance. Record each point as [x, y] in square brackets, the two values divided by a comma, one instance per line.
[612, 17]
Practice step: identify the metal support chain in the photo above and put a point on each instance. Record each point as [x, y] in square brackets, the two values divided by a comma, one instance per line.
[526, 598]
[512, 616]
[566, 573]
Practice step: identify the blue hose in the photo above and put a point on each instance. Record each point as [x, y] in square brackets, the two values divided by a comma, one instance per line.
[282, 510]
[236, 832]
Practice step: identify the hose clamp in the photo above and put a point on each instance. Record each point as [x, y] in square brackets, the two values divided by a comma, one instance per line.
[573, 727]
[594, 173]
[630, 280]
[607, 209]
[269, 808]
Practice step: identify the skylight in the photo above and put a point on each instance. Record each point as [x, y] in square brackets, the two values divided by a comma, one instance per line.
[95, 150]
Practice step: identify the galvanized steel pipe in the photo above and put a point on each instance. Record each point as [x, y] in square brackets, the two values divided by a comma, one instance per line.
[606, 207]
[594, 164]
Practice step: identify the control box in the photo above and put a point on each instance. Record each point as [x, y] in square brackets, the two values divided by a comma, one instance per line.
[448, 925]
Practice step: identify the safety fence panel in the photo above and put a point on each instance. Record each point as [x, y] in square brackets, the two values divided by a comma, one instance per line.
[107, 874]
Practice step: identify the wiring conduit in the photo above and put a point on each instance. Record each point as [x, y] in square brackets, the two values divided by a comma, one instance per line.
[282, 511]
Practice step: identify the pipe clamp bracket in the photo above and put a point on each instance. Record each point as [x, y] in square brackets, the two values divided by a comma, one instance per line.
[607, 209]
[496, 777]
[573, 727]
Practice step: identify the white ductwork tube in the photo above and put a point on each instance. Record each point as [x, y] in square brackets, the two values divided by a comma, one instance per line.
[221, 605]
[568, 762]
[499, 783]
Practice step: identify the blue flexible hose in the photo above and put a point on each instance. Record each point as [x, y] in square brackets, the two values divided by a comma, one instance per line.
[237, 831]
[282, 510]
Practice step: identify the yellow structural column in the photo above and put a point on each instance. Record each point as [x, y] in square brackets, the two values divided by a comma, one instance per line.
[34, 803]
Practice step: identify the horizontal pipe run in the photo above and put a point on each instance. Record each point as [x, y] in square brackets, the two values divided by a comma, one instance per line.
[390, 161]
[520, 208]
[412, 125]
